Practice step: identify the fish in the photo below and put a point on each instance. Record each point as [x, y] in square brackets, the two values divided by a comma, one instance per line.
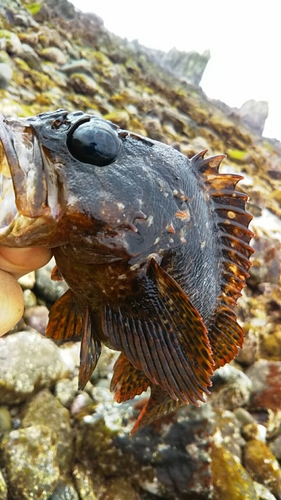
[154, 247]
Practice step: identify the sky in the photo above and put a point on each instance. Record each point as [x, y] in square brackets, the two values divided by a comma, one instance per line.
[242, 36]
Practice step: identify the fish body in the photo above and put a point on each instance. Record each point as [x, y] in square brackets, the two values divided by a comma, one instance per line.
[154, 247]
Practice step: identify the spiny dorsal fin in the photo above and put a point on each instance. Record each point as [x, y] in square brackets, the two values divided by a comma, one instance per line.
[232, 221]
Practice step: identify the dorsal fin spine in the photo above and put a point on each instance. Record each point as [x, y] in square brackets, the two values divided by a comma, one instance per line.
[232, 219]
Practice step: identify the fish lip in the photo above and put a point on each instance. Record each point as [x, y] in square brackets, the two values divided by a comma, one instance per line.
[23, 179]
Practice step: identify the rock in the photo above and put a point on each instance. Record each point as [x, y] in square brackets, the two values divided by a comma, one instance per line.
[265, 376]
[66, 390]
[228, 431]
[29, 55]
[254, 114]
[28, 362]
[28, 280]
[29, 457]
[55, 55]
[37, 317]
[5, 420]
[84, 483]
[6, 74]
[83, 84]
[231, 481]
[81, 66]
[262, 492]
[64, 490]
[47, 288]
[29, 298]
[263, 466]
[45, 410]
[10, 42]
[231, 388]
[3, 488]
[254, 431]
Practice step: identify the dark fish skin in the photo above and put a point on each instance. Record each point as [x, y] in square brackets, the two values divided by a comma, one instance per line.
[154, 248]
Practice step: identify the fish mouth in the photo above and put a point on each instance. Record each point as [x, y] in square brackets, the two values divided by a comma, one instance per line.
[28, 191]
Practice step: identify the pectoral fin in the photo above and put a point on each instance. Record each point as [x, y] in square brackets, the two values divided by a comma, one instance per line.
[65, 318]
[163, 335]
[67, 321]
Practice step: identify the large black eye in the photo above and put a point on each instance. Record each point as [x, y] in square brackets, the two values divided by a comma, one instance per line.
[94, 142]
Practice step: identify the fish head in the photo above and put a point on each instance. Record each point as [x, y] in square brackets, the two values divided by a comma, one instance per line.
[72, 178]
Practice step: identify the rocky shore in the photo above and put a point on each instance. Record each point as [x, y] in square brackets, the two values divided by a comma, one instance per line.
[58, 443]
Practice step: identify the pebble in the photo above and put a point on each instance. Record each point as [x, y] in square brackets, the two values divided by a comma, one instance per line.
[6, 74]
[57, 421]
[29, 457]
[28, 280]
[230, 480]
[263, 466]
[37, 317]
[47, 288]
[29, 362]
[55, 55]
[231, 388]
[5, 420]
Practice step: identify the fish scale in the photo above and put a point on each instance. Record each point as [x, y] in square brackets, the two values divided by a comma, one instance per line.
[154, 246]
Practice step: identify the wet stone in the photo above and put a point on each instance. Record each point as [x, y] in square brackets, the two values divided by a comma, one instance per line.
[6, 74]
[65, 490]
[263, 466]
[228, 427]
[231, 388]
[263, 492]
[29, 457]
[45, 409]
[84, 483]
[29, 362]
[55, 55]
[231, 481]
[37, 317]
[47, 288]
[265, 376]
[3, 488]
[5, 419]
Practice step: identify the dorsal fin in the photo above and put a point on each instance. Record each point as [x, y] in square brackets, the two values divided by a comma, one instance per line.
[232, 222]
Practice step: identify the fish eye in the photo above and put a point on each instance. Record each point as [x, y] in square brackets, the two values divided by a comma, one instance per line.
[94, 142]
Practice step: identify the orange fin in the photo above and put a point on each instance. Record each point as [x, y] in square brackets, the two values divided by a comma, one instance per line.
[56, 274]
[65, 318]
[232, 221]
[127, 381]
[158, 405]
[89, 352]
[162, 334]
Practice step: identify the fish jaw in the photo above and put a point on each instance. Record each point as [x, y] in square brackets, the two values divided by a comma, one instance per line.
[28, 187]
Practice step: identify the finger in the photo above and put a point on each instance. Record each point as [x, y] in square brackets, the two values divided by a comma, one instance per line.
[11, 300]
[20, 261]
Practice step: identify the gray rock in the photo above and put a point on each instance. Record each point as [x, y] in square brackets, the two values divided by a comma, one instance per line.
[29, 457]
[65, 490]
[29, 362]
[6, 74]
[80, 66]
[10, 42]
[231, 388]
[50, 290]
[254, 114]
[37, 317]
[55, 55]
[29, 55]
[3, 488]
[45, 410]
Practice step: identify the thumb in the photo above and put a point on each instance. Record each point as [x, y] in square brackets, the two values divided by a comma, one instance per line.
[11, 302]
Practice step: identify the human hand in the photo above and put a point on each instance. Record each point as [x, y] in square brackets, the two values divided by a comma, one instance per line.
[14, 263]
